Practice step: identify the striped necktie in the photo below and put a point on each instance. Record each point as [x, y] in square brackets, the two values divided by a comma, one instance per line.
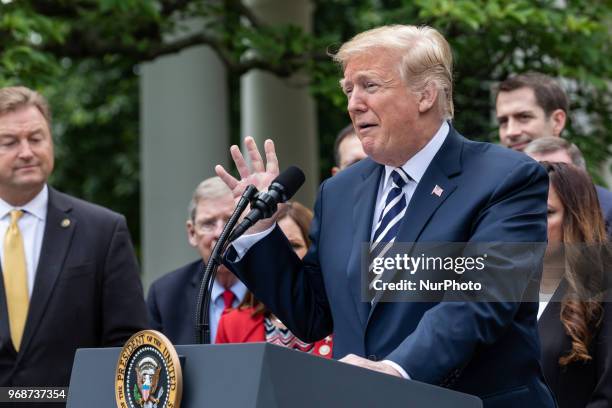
[15, 279]
[389, 220]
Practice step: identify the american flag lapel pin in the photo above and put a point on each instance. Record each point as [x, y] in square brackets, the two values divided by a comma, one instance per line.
[437, 190]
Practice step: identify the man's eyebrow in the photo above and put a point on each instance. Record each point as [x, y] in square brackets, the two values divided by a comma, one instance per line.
[360, 76]
[521, 112]
[10, 133]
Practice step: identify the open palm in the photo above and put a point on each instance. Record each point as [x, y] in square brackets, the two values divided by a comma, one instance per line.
[259, 174]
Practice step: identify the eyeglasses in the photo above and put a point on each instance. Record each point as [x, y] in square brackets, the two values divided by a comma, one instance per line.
[211, 225]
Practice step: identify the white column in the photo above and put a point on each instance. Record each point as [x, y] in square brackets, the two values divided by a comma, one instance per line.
[607, 173]
[184, 133]
[274, 108]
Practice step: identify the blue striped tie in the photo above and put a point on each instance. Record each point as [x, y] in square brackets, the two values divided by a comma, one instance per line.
[390, 219]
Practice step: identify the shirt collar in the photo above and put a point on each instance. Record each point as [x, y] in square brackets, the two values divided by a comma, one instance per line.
[37, 206]
[416, 166]
[238, 288]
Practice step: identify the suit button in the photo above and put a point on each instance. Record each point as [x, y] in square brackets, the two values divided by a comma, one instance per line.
[372, 357]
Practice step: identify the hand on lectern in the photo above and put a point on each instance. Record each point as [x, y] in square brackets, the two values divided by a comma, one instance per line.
[370, 365]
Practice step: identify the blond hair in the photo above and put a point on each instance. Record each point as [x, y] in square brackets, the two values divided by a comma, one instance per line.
[13, 98]
[426, 58]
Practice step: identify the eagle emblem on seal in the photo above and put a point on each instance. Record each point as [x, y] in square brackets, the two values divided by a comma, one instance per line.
[147, 380]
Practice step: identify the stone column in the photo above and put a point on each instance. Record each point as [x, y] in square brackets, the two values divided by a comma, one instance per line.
[277, 109]
[184, 133]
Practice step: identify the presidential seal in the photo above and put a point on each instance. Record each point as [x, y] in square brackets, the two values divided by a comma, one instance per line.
[148, 373]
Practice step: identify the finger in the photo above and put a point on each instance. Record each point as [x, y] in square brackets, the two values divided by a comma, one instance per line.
[254, 155]
[227, 178]
[271, 159]
[241, 164]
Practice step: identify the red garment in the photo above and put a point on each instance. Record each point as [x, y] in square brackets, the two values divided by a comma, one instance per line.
[238, 326]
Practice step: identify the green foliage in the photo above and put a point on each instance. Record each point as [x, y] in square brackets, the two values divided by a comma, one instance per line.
[492, 39]
[84, 54]
[97, 137]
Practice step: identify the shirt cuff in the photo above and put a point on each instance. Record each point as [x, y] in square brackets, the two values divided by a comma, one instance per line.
[243, 243]
[397, 367]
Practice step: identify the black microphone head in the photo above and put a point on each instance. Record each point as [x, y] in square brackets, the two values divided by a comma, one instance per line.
[291, 180]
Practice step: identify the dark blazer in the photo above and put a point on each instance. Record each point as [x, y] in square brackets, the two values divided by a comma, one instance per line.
[605, 202]
[172, 301]
[87, 293]
[577, 385]
[490, 194]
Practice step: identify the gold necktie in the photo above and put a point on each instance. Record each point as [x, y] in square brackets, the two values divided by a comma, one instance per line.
[15, 279]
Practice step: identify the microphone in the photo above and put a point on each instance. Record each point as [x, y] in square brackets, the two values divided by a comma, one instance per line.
[265, 203]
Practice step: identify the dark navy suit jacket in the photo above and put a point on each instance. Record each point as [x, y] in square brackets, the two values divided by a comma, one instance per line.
[605, 202]
[490, 194]
[172, 302]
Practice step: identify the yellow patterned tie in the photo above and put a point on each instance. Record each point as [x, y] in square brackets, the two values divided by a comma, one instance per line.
[15, 279]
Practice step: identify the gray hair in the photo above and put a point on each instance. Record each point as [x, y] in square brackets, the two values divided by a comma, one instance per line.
[426, 58]
[551, 144]
[210, 189]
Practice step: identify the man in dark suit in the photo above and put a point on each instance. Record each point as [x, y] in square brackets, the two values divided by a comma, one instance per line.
[532, 106]
[422, 182]
[172, 298]
[70, 277]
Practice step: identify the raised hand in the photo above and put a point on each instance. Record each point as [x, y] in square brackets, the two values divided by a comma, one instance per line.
[260, 174]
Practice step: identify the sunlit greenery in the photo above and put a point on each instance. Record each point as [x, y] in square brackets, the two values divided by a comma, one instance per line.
[84, 55]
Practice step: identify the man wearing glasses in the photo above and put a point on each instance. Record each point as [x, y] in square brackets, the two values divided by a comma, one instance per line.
[172, 298]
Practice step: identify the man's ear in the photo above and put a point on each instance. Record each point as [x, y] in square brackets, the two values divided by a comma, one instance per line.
[428, 97]
[191, 235]
[558, 118]
[335, 170]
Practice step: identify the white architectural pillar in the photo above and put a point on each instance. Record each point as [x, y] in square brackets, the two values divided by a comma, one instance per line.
[184, 133]
[274, 108]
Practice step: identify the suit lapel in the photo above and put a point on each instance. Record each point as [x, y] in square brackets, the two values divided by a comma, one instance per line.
[551, 312]
[55, 245]
[198, 274]
[435, 187]
[364, 197]
[5, 333]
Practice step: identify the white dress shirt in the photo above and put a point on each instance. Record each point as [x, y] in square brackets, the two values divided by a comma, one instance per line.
[217, 305]
[32, 228]
[415, 167]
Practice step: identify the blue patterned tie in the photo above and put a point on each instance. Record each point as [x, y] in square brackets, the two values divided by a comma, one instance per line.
[390, 219]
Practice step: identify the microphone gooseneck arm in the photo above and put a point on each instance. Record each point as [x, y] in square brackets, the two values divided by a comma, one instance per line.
[263, 205]
[202, 318]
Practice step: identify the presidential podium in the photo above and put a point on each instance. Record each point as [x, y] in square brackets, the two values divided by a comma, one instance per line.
[260, 375]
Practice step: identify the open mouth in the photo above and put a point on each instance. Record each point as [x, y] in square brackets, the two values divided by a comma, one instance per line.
[365, 126]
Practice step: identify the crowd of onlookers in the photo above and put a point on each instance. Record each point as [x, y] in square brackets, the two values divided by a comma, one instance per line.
[79, 285]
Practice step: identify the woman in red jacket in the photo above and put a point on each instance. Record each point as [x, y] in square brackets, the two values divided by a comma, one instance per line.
[251, 321]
